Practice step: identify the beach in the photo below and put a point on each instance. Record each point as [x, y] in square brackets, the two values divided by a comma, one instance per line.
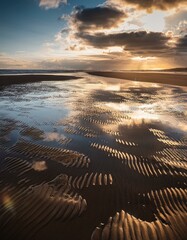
[6, 80]
[154, 77]
[93, 157]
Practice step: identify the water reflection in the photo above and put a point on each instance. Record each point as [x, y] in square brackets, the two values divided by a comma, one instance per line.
[39, 166]
[147, 101]
[53, 136]
[8, 203]
[93, 147]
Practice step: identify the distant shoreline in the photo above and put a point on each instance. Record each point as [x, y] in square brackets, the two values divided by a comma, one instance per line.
[177, 79]
[6, 80]
[163, 78]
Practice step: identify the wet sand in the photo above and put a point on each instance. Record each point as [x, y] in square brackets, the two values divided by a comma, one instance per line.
[6, 80]
[164, 78]
[93, 159]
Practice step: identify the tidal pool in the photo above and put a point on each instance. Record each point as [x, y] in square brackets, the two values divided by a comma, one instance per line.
[93, 158]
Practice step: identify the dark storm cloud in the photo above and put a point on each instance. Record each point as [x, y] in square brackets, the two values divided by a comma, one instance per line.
[181, 45]
[133, 41]
[149, 4]
[97, 18]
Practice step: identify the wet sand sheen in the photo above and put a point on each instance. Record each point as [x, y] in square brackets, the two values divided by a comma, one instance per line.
[110, 167]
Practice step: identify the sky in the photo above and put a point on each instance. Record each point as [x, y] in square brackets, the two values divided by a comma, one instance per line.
[93, 35]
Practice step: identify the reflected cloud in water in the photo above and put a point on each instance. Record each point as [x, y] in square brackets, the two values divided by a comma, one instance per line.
[113, 87]
[151, 102]
[39, 166]
[53, 136]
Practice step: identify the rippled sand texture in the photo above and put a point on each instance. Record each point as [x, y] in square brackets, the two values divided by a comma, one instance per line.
[93, 158]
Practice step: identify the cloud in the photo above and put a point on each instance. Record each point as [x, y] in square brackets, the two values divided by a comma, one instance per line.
[181, 45]
[131, 41]
[106, 26]
[88, 63]
[97, 18]
[15, 61]
[177, 22]
[151, 4]
[182, 27]
[48, 4]
[103, 27]
[177, 17]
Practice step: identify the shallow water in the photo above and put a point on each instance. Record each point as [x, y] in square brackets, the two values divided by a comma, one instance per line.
[93, 158]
